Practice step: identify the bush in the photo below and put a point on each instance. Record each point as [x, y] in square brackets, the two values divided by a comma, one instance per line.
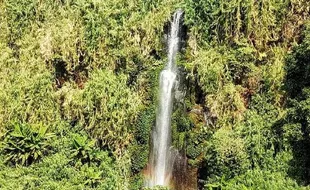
[226, 156]
[257, 179]
[26, 144]
[84, 151]
[106, 107]
[297, 122]
[297, 67]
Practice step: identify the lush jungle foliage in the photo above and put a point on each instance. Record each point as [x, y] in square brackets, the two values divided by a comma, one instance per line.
[79, 83]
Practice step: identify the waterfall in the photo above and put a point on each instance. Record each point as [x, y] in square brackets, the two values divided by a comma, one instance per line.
[161, 161]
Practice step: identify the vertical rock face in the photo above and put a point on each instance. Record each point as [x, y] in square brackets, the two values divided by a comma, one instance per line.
[161, 162]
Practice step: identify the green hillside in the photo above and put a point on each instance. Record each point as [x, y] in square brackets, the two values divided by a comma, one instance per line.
[79, 87]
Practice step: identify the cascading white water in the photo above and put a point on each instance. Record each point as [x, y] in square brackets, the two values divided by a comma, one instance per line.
[161, 158]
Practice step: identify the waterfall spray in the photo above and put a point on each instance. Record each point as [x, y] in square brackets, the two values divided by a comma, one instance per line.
[161, 161]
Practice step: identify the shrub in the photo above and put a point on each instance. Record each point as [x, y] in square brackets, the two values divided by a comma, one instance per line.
[26, 144]
[258, 22]
[297, 67]
[84, 151]
[227, 155]
[257, 179]
[297, 122]
[106, 107]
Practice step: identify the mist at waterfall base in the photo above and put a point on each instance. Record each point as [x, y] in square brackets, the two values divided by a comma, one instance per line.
[162, 156]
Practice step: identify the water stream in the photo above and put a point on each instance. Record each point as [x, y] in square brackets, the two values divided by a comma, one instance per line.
[161, 159]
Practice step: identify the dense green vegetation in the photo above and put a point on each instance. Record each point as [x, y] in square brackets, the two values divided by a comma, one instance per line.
[79, 82]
